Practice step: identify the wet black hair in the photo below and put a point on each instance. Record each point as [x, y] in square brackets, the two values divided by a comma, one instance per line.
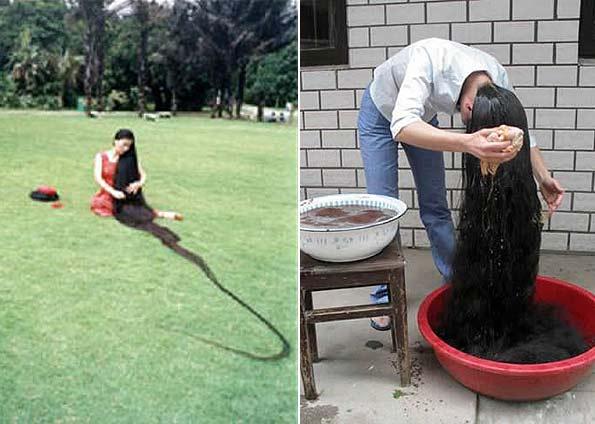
[458, 104]
[490, 312]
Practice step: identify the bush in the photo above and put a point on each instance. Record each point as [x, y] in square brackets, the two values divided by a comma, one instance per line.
[118, 100]
[48, 102]
[10, 98]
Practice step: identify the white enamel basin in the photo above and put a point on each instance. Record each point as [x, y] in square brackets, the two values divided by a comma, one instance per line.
[352, 243]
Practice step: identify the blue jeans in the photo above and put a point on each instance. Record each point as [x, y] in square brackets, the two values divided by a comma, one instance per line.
[379, 154]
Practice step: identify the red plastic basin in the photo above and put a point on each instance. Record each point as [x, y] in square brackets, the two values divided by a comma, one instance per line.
[517, 381]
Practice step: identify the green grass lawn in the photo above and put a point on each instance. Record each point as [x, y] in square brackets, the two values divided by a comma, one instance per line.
[86, 303]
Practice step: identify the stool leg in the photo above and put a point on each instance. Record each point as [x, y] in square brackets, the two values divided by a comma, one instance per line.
[311, 328]
[392, 319]
[306, 368]
[399, 300]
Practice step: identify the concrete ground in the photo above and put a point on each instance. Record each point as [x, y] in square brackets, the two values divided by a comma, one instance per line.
[357, 384]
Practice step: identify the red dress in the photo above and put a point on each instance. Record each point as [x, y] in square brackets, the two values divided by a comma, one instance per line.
[102, 203]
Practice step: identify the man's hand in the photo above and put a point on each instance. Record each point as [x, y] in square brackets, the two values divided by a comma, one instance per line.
[493, 152]
[552, 193]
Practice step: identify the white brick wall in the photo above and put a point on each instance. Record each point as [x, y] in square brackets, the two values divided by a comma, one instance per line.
[537, 42]
[450, 11]
[412, 13]
[476, 32]
[532, 53]
[528, 9]
[567, 53]
[489, 10]
[337, 99]
[557, 31]
[514, 31]
[556, 75]
[388, 36]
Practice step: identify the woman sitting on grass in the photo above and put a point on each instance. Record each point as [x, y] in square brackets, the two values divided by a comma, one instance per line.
[121, 178]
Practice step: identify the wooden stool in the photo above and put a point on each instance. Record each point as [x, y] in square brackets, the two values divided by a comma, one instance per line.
[386, 267]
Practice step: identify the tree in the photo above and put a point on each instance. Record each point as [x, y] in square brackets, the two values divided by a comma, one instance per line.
[93, 13]
[44, 19]
[174, 54]
[266, 26]
[35, 73]
[69, 66]
[151, 20]
[234, 31]
[141, 12]
[27, 64]
[272, 79]
[177, 50]
[121, 59]
[35, 51]
[175, 77]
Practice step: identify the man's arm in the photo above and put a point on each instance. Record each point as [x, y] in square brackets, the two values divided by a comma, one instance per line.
[426, 136]
[550, 188]
[540, 171]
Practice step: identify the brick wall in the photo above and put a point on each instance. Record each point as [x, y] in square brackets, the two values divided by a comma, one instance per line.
[536, 41]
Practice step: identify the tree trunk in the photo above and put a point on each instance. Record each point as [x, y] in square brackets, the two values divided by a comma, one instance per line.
[260, 112]
[158, 97]
[174, 102]
[241, 86]
[142, 16]
[65, 92]
[229, 102]
[220, 103]
[100, 58]
[88, 79]
[94, 15]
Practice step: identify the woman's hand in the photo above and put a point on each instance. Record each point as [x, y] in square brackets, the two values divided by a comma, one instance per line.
[552, 193]
[489, 151]
[134, 187]
[118, 194]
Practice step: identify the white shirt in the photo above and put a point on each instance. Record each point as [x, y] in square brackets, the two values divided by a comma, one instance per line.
[426, 77]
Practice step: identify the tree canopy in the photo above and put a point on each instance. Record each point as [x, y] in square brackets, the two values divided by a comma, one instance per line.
[146, 55]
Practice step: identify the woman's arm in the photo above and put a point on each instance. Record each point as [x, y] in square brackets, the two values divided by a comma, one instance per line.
[99, 180]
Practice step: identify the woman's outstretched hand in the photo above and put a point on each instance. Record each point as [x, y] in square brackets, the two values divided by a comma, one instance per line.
[490, 151]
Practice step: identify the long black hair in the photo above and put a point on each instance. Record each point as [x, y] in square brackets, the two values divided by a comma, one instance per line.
[134, 212]
[127, 170]
[490, 312]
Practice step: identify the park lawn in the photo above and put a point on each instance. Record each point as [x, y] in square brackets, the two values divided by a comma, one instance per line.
[89, 309]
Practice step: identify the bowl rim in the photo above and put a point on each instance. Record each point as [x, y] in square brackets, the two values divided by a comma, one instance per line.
[486, 365]
[358, 227]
